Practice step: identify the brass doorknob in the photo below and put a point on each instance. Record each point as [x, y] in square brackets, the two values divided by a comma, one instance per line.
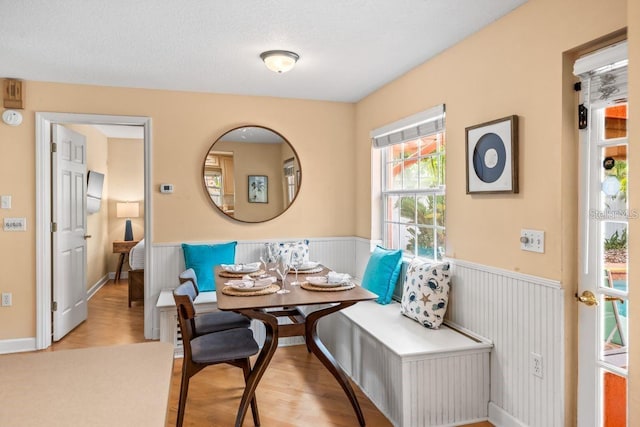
[587, 298]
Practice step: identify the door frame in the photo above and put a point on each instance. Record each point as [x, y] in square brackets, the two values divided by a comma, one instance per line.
[44, 120]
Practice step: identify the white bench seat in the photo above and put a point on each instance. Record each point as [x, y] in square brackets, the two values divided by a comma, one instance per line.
[414, 375]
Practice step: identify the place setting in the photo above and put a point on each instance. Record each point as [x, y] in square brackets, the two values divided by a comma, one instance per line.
[236, 271]
[331, 282]
[251, 286]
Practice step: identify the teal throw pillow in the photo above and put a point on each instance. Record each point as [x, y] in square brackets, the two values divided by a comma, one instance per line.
[382, 273]
[203, 258]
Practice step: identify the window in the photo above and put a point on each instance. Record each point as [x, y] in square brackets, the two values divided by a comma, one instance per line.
[413, 184]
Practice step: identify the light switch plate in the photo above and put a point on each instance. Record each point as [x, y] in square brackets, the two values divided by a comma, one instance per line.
[15, 224]
[5, 202]
[532, 240]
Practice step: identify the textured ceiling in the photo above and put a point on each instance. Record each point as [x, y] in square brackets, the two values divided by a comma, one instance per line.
[348, 48]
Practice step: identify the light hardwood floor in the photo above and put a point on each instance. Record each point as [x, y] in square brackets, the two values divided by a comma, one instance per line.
[295, 391]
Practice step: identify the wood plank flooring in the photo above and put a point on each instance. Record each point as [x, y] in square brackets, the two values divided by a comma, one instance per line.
[295, 391]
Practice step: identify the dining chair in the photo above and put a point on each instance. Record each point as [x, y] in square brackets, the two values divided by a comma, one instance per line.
[232, 346]
[206, 323]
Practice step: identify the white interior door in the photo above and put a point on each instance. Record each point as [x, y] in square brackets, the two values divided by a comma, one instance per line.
[69, 181]
[604, 259]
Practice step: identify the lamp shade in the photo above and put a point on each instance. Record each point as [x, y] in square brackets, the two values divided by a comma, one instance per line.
[127, 209]
[279, 61]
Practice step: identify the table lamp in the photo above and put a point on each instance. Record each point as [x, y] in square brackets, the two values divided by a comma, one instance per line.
[127, 210]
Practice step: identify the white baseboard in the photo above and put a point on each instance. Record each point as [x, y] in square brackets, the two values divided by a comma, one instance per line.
[17, 345]
[500, 418]
[96, 287]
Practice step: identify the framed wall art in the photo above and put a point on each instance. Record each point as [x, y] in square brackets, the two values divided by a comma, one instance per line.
[258, 189]
[492, 156]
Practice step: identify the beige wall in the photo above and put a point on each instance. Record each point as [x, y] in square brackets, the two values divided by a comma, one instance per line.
[99, 245]
[520, 65]
[126, 184]
[184, 126]
[255, 159]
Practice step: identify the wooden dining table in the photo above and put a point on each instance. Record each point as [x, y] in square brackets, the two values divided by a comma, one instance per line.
[268, 308]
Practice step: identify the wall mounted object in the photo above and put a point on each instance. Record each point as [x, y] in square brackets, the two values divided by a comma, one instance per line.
[12, 117]
[95, 181]
[492, 156]
[258, 189]
[256, 151]
[13, 93]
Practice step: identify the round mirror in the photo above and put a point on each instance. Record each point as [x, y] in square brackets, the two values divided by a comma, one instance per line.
[252, 174]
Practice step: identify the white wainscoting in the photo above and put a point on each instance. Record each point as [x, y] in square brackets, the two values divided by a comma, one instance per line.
[338, 253]
[520, 314]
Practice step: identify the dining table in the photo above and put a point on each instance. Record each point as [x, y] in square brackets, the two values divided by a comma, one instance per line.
[267, 308]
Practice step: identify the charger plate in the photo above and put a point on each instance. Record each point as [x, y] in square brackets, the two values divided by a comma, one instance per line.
[228, 290]
[230, 275]
[308, 286]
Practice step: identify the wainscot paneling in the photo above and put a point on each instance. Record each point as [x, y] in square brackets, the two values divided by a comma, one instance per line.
[521, 315]
[338, 253]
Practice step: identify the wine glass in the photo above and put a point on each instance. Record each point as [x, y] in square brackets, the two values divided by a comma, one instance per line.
[296, 263]
[282, 268]
[264, 260]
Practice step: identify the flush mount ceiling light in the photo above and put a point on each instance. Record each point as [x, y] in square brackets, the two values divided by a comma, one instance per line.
[279, 61]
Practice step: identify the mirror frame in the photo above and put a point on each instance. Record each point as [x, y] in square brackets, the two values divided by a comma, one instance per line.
[218, 208]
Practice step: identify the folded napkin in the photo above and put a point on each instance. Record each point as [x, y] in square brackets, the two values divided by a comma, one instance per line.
[239, 268]
[333, 277]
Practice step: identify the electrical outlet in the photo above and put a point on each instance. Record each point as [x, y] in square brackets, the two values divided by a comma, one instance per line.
[536, 365]
[5, 202]
[15, 224]
[6, 299]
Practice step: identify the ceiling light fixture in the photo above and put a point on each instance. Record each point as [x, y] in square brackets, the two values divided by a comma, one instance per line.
[279, 61]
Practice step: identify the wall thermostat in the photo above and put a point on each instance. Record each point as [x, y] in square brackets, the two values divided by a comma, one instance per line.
[166, 188]
[12, 117]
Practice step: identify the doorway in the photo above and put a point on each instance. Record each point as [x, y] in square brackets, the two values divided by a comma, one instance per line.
[604, 229]
[44, 122]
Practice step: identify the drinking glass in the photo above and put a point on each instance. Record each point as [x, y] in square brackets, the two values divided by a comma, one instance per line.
[282, 268]
[296, 264]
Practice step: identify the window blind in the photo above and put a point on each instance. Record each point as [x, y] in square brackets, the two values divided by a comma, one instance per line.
[604, 75]
[425, 123]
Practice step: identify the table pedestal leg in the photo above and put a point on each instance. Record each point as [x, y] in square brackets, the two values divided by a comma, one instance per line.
[317, 347]
[268, 349]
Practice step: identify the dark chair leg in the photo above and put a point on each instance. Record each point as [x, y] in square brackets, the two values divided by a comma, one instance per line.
[184, 388]
[246, 369]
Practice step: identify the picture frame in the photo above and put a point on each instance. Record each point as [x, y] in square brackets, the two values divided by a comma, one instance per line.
[491, 153]
[258, 189]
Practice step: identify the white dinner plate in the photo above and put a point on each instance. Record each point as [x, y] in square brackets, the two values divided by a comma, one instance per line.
[241, 268]
[322, 282]
[309, 265]
[247, 285]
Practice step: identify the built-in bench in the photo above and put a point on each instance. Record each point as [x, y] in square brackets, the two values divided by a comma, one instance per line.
[414, 375]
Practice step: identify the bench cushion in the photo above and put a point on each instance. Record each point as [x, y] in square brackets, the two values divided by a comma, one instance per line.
[426, 292]
[403, 336]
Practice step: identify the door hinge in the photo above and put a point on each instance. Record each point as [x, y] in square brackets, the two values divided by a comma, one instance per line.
[582, 116]
[54, 227]
[577, 86]
[54, 306]
[54, 147]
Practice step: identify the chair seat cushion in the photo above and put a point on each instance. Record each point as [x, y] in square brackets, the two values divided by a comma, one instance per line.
[223, 346]
[219, 321]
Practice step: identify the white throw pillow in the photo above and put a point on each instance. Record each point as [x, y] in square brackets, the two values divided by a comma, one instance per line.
[290, 250]
[425, 293]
